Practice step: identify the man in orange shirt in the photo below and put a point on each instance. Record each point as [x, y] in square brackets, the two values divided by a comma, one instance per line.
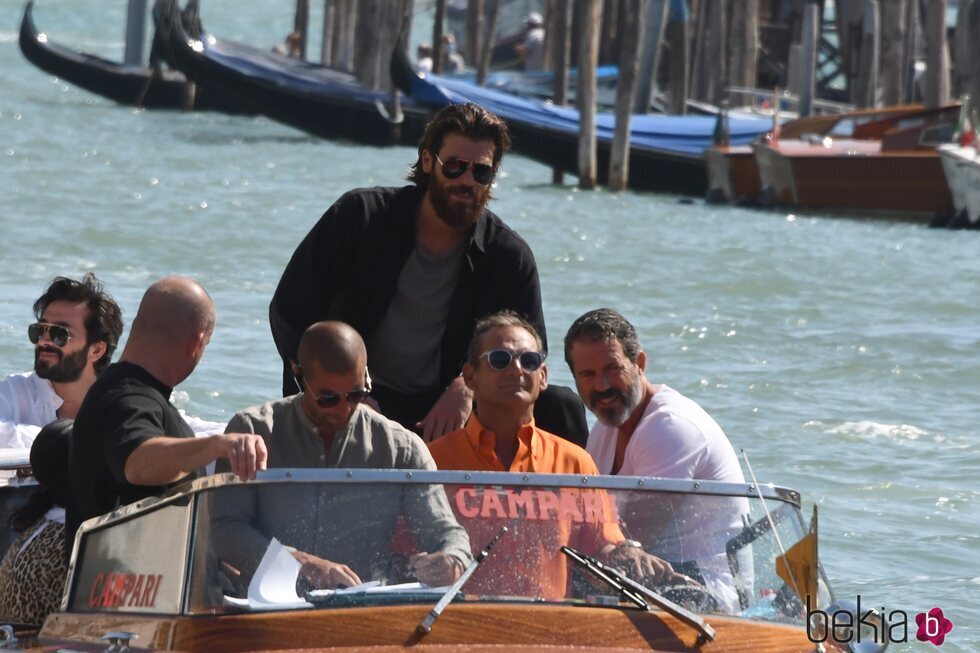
[506, 372]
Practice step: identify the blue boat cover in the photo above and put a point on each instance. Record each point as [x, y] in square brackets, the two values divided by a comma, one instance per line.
[678, 135]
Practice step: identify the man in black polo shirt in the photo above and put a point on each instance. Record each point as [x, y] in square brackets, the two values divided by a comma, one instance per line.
[129, 441]
[413, 269]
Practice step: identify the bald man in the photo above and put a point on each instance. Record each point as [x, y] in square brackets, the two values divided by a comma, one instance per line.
[327, 425]
[129, 441]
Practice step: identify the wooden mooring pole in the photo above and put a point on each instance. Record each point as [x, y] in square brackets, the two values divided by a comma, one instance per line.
[630, 27]
[870, 49]
[561, 44]
[743, 25]
[486, 51]
[473, 47]
[326, 34]
[590, 22]
[973, 22]
[678, 40]
[808, 55]
[341, 47]
[135, 32]
[301, 24]
[892, 41]
[654, 27]
[437, 36]
[936, 91]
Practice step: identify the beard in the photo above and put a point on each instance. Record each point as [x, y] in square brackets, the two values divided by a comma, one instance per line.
[615, 415]
[68, 368]
[450, 207]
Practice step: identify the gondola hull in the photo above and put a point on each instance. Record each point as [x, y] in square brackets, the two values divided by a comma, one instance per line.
[128, 85]
[321, 101]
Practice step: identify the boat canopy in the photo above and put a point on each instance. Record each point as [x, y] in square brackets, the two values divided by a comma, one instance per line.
[682, 135]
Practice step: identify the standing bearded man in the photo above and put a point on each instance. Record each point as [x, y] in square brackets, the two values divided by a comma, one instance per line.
[412, 269]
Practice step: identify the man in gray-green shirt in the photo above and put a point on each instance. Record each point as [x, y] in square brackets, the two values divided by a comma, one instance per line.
[340, 533]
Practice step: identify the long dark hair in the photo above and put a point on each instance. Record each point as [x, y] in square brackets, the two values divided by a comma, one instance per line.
[49, 462]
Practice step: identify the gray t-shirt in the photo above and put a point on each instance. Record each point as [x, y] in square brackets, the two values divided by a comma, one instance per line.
[404, 353]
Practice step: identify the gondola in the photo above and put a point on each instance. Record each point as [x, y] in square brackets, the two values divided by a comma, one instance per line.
[666, 152]
[316, 99]
[140, 86]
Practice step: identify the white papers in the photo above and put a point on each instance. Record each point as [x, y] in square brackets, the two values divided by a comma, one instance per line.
[273, 585]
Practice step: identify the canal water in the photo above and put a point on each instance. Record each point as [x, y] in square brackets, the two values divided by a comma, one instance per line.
[841, 354]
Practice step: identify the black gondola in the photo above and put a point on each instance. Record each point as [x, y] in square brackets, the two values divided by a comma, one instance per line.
[321, 101]
[142, 86]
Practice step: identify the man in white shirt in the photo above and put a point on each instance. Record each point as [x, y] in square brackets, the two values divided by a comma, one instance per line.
[645, 429]
[78, 327]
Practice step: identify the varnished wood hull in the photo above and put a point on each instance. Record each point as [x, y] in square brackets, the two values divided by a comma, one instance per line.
[906, 183]
[733, 175]
[471, 627]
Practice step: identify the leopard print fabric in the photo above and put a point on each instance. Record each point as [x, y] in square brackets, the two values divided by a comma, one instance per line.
[32, 581]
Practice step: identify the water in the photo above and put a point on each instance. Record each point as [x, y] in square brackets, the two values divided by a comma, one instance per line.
[841, 354]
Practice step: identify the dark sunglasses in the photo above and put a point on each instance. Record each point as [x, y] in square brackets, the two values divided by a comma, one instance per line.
[330, 400]
[59, 335]
[499, 359]
[454, 168]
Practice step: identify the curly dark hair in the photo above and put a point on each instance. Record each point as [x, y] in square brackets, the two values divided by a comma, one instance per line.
[104, 321]
[603, 325]
[470, 120]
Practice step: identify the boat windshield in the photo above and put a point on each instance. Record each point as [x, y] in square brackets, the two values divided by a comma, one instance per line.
[304, 539]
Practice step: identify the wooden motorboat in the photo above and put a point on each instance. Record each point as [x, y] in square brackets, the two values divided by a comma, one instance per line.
[733, 173]
[898, 174]
[202, 569]
[142, 86]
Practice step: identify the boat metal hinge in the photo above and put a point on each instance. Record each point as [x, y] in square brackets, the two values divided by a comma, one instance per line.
[8, 639]
[119, 641]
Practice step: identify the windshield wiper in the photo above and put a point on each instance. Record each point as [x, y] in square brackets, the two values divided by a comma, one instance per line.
[426, 625]
[637, 593]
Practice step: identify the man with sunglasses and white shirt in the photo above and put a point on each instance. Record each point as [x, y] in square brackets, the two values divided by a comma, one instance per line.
[327, 425]
[412, 269]
[77, 329]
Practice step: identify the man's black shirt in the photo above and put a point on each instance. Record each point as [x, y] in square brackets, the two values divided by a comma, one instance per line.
[347, 268]
[125, 407]
[348, 265]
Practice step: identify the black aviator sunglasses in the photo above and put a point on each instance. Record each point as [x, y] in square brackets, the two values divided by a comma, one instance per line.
[59, 335]
[454, 168]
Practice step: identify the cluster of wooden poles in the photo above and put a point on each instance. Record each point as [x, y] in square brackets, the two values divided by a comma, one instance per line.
[708, 46]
